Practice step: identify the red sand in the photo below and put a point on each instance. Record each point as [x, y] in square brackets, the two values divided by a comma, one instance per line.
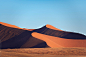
[59, 42]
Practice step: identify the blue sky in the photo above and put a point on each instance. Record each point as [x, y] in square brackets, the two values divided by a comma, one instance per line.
[67, 15]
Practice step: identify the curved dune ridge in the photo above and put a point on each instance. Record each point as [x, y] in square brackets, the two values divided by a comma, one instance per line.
[50, 30]
[9, 25]
[12, 36]
[52, 27]
[59, 42]
[18, 38]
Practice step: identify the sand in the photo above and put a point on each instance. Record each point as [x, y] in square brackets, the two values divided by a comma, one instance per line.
[44, 52]
[9, 25]
[28, 29]
[60, 42]
[31, 44]
[52, 27]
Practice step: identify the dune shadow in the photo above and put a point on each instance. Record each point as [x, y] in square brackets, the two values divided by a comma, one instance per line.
[61, 34]
[16, 38]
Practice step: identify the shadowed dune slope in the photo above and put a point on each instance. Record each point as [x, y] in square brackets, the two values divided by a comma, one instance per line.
[18, 38]
[52, 31]
[60, 42]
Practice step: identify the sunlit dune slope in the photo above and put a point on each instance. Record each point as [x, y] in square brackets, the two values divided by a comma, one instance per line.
[18, 38]
[60, 42]
[52, 31]
[52, 27]
[9, 25]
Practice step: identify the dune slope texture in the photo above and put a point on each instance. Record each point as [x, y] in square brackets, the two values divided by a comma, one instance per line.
[60, 42]
[47, 36]
[57, 38]
[18, 38]
[52, 31]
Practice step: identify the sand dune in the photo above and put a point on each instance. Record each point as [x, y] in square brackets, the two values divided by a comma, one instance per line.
[60, 42]
[48, 30]
[9, 25]
[47, 36]
[28, 29]
[47, 39]
[18, 38]
[52, 27]
[37, 42]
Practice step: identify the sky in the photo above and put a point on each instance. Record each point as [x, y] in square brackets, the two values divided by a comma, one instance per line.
[67, 15]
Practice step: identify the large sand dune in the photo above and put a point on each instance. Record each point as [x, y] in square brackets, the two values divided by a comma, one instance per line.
[37, 42]
[18, 38]
[47, 36]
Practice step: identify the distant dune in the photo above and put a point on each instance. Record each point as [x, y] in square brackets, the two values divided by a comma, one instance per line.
[12, 36]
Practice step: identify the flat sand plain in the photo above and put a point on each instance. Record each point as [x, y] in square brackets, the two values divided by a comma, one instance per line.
[44, 52]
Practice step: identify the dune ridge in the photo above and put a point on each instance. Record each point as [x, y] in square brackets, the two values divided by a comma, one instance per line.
[47, 36]
[9, 25]
[59, 33]
[18, 38]
[59, 42]
[28, 29]
[52, 27]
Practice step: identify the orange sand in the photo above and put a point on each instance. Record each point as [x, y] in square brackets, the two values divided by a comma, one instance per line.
[59, 42]
[9, 25]
[54, 41]
[51, 27]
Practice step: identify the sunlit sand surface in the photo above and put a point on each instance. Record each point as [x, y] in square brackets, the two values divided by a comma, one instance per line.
[9, 25]
[52, 27]
[59, 42]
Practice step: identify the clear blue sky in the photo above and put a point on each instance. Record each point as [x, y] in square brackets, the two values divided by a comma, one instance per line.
[69, 15]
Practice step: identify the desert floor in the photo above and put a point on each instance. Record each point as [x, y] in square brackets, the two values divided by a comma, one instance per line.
[44, 52]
